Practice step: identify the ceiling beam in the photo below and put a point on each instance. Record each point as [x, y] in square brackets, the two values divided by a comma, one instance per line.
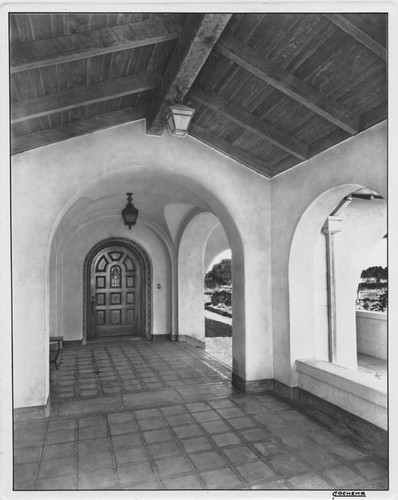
[288, 84]
[357, 34]
[251, 123]
[198, 37]
[82, 96]
[228, 149]
[75, 129]
[39, 53]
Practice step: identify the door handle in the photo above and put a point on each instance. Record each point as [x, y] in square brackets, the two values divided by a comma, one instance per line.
[92, 304]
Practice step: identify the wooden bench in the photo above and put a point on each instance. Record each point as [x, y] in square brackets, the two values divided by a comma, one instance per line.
[56, 344]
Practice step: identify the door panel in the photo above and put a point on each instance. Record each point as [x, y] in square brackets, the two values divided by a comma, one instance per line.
[115, 293]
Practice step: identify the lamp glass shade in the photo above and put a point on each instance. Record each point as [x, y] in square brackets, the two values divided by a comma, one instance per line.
[130, 213]
[178, 119]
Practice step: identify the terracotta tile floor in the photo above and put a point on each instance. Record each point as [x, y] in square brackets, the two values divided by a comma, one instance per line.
[137, 415]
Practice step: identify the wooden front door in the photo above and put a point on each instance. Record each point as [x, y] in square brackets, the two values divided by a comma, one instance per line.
[115, 280]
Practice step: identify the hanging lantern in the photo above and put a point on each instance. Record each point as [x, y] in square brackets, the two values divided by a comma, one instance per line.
[130, 213]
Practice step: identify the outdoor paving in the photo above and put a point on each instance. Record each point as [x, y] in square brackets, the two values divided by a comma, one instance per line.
[143, 415]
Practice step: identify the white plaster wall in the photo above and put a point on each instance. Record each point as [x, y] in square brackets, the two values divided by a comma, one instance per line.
[217, 243]
[359, 161]
[357, 392]
[69, 274]
[49, 180]
[372, 333]
[190, 275]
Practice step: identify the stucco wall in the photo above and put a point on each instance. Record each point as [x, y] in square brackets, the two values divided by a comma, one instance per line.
[69, 274]
[372, 333]
[359, 161]
[102, 166]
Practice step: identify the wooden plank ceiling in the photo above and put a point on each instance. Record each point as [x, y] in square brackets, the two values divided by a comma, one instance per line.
[269, 90]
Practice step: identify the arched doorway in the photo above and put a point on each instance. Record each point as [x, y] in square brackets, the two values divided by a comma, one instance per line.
[117, 290]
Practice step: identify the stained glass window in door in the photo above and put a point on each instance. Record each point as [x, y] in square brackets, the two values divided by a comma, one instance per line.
[115, 277]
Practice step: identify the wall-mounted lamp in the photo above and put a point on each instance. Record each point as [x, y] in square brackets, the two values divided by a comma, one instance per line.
[130, 213]
[179, 116]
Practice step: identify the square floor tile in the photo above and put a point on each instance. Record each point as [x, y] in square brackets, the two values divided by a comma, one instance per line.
[370, 469]
[186, 482]
[182, 419]
[240, 454]
[133, 455]
[347, 452]
[90, 446]
[123, 428]
[193, 407]
[255, 435]
[157, 436]
[59, 450]
[27, 455]
[120, 418]
[95, 462]
[94, 432]
[287, 464]
[344, 477]
[196, 444]
[57, 483]
[278, 484]
[222, 403]
[62, 423]
[206, 416]
[255, 472]
[164, 450]
[106, 479]
[207, 460]
[126, 441]
[226, 439]
[224, 479]
[152, 423]
[231, 412]
[173, 410]
[26, 472]
[242, 422]
[319, 459]
[172, 466]
[141, 414]
[91, 421]
[58, 467]
[308, 481]
[215, 426]
[191, 430]
[136, 474]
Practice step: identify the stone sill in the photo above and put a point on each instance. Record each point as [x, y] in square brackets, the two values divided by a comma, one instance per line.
[360, 384]
[380, 316]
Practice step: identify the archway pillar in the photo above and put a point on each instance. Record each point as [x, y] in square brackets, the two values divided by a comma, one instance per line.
[252, 347]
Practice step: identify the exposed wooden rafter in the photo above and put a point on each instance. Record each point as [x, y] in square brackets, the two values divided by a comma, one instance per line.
[360, 36]
[82, 96]
[287, 83]
[76, 128]
[63, 49]
[228, 149]
[251, 123]
[198, 37]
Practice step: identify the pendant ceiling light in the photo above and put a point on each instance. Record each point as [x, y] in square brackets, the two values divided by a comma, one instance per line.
[130, 213]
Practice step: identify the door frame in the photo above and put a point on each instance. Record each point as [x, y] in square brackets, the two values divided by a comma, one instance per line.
[146, 283]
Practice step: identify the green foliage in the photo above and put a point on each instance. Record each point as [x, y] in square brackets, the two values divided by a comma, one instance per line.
[378, 272]
[219, 275]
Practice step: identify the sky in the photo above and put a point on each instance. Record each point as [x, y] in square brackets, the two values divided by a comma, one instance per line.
[379, 255]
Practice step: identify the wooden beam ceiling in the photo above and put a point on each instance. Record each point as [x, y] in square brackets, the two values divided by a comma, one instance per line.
[251, 123]
[198, 37]
[76, 128]
[63, 49]
[82, 96]
[230, 150]
[357, 34]
[287, 83]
